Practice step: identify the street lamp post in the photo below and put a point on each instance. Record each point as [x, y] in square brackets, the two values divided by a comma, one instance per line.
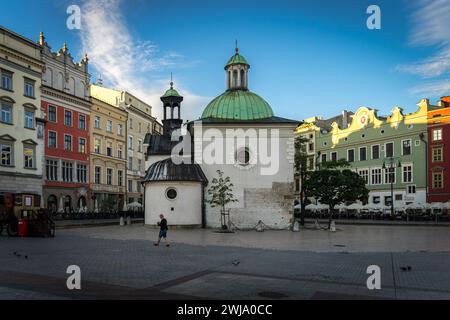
[391, 167]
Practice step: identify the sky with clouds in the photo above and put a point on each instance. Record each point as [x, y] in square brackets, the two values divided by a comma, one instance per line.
[307, 57]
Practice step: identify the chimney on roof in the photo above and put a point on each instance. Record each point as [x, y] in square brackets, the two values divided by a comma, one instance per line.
[344, 119]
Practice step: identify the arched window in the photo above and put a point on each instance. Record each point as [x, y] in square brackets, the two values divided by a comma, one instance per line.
[52, 203]
[235, 78]
[229, 79]
[242, 78]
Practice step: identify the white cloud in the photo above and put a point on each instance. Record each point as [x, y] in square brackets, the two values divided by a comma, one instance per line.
[129, 64]
[435, 89]
[431, 27]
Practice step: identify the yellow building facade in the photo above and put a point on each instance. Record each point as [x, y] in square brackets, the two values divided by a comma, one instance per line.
[108, 156]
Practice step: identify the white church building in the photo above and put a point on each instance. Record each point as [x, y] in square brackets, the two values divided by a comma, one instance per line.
[237, 134]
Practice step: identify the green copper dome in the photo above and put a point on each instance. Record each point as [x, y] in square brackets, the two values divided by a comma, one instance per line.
[236, 59]
[238, 105]
[171, 93]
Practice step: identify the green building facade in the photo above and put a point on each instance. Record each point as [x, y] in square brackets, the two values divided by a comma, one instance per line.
[382, 150]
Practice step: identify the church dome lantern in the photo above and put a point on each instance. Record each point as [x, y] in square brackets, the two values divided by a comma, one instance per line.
[238, 102]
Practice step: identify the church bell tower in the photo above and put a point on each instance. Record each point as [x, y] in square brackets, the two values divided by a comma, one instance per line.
[171, 107]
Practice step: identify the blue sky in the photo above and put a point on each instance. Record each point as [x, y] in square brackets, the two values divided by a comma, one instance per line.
[307, 57]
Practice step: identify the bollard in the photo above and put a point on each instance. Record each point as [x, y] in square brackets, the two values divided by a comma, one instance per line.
[332, 226]
[121, 221]
[316, 225]
[129, 220]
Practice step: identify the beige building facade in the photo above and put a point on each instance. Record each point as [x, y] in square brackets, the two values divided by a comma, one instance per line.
[21, 120]
[108, 156]
[140, 122]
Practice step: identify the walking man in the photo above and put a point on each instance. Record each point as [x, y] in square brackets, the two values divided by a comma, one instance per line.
[162, 230]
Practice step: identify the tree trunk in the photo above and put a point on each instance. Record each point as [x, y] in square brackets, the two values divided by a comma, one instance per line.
[330, 216]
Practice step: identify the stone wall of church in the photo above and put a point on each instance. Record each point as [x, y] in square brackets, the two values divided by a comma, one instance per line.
[273, 206]
[265, 197]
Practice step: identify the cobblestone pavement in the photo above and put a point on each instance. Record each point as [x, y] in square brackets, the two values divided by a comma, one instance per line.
[121, 263]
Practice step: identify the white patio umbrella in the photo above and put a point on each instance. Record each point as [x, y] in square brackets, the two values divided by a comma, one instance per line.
[134, 205]
[322, 206]
[355, 206]
[311, 206]
[436, 205]
[413, 205]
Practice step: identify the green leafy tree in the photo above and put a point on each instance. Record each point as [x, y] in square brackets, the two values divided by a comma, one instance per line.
[303, 174]
[334, 184]
[221, 193]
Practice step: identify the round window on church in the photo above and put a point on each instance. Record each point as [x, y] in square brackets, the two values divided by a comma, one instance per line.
[243, 156]
[171, 193]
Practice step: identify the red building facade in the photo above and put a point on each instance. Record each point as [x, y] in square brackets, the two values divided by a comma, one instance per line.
[439, 152]
[66, 105]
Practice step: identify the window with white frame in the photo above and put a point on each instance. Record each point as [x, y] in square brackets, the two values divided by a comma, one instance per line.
[29, 119]
[437, 154]
[67, 142]
[376, 152]
[82, 173]
[389, 175]
[119, 130]
[407, 173]
[7, 80]
[97, 146]
[6, 115]
[119, 151]
[362, 154]
[119, 177]
[109, 149]
[389, 150]
[406, 147]
[437, 134]
[51, 114]
[109, 176]
[411, 189]
[98, 175]
[82, 145]
[28, 156]
[109, 126]
[438, 180]
[376, 177]
[51, 169]
[52, 139]
[97, 122]
[29, 88]
[67, 171]
[130, 185]
[364, 173]
[7, 152]
[334, 156]
[351, 155]
[68, 118]
[130, 163]
[82, 122]
[130, 142]
[324, 157]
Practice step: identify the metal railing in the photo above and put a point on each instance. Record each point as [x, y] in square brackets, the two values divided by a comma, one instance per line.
[96, 215]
